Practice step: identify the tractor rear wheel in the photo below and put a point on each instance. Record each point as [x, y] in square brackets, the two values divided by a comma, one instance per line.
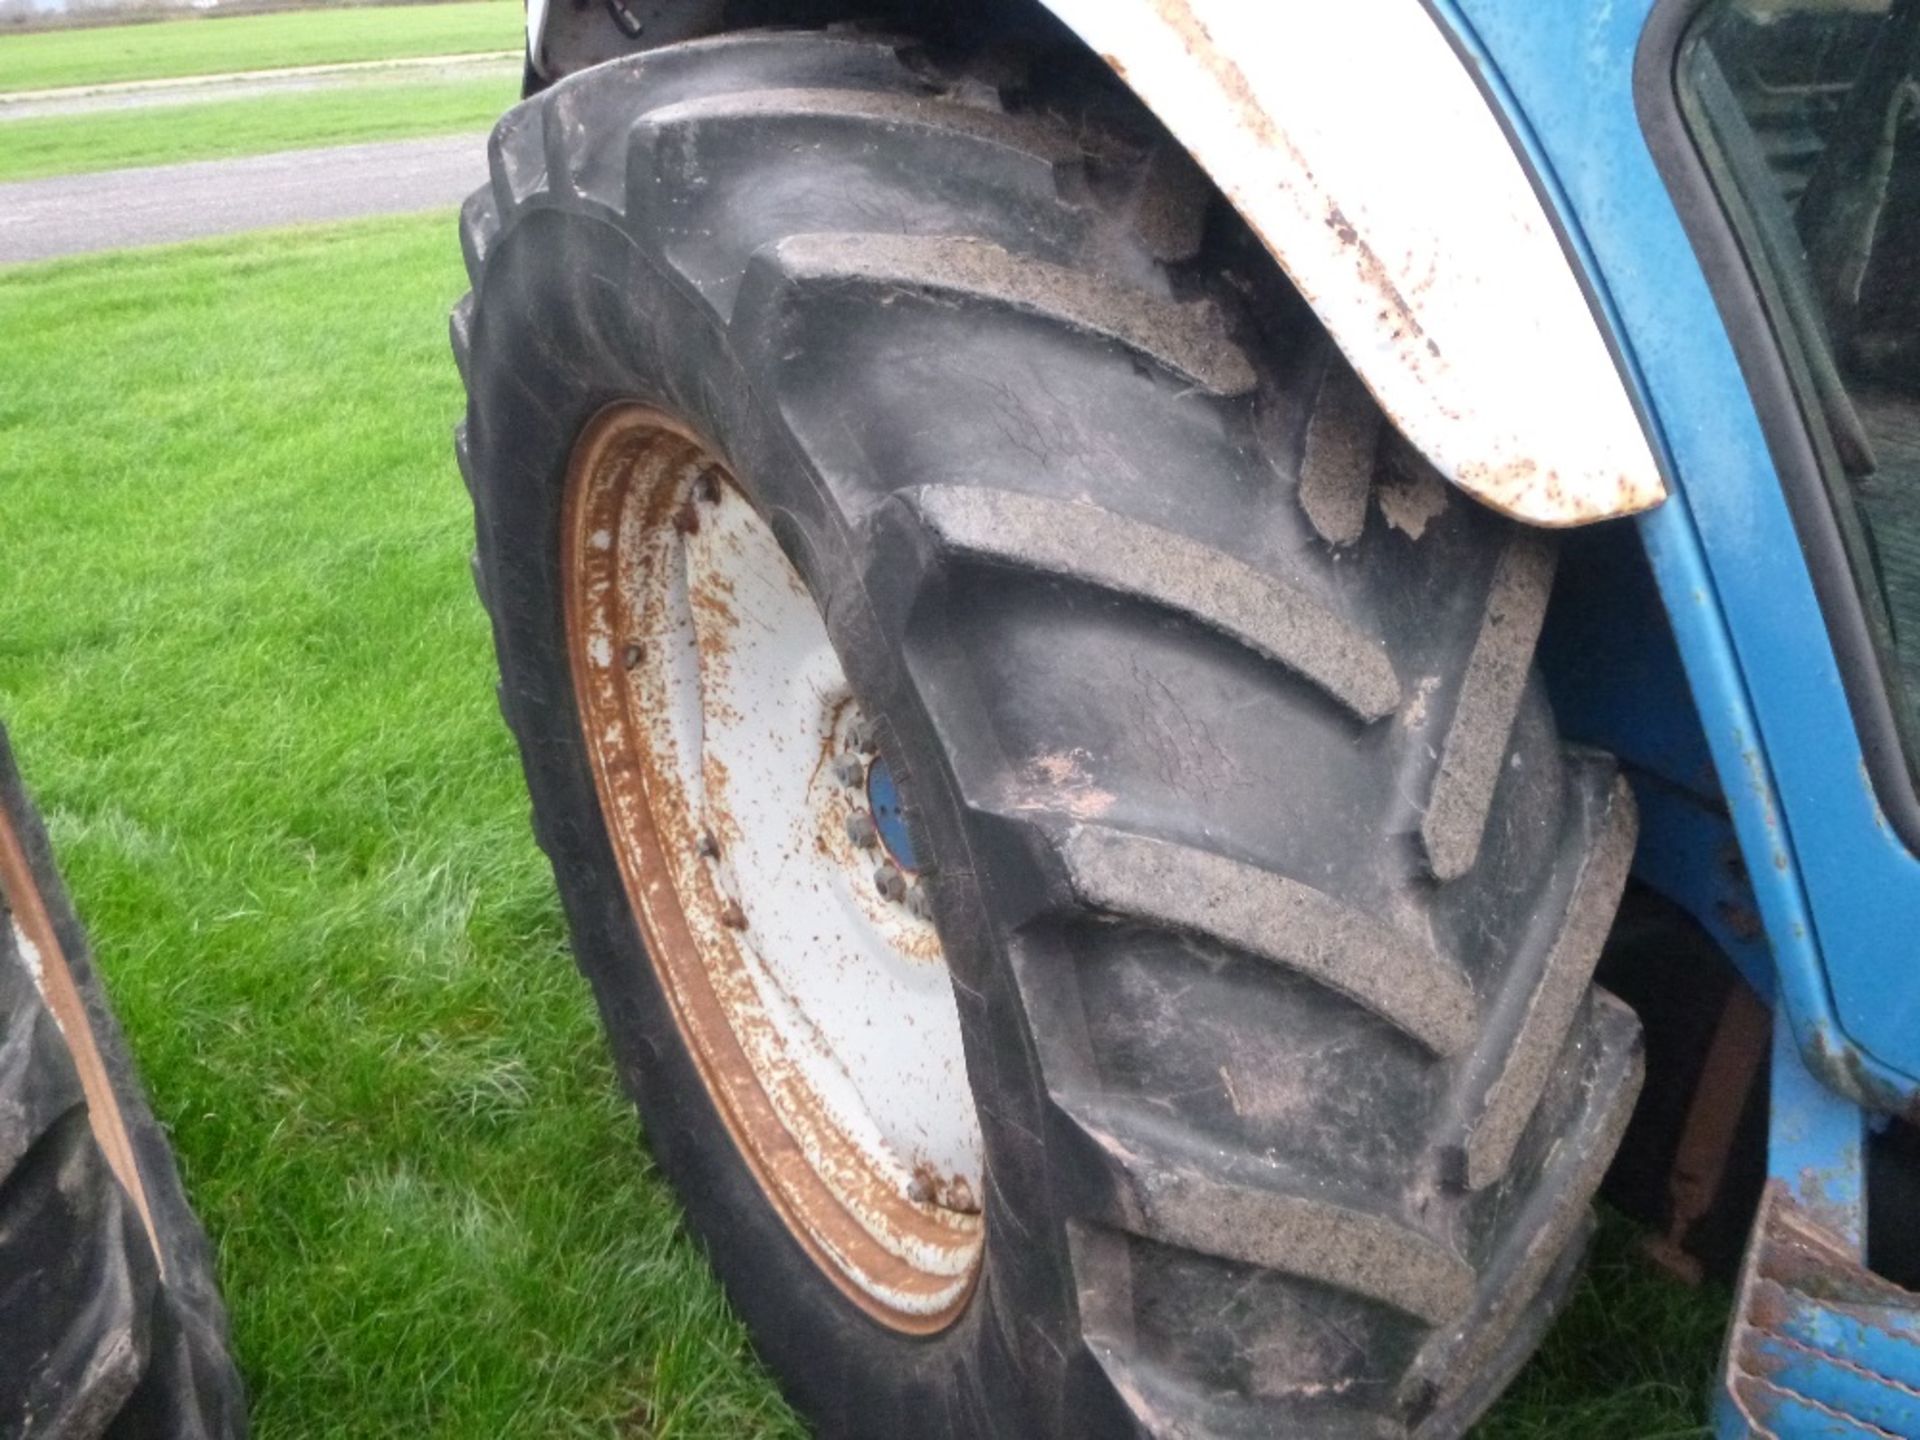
[1051, 797]
[110, 1321]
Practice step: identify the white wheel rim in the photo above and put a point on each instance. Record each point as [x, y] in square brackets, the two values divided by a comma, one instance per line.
[729, 755]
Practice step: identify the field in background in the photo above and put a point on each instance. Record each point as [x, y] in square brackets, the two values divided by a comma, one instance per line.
[213, 46]
[245, 670]
[393, 107]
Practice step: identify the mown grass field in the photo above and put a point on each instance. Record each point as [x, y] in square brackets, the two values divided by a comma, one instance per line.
[244, 667]
[383, 109]
[213, 46]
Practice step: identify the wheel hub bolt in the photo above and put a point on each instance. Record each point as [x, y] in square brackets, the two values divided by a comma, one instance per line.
[891, 884]
[860, 733]
[862, 831]
[919, 901]
[632, 655]
[850, 770]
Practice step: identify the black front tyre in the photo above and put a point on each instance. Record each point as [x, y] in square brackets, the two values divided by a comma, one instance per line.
[110, 1321]
[1270, 895]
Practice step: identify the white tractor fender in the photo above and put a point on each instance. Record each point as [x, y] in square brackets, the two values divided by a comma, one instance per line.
[1409, 224]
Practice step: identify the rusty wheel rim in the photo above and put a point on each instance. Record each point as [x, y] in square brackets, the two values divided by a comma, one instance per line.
[789, 933]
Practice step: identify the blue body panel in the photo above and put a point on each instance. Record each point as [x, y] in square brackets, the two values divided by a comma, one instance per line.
[1838, 891]
[1711, 672]
[1618, 683]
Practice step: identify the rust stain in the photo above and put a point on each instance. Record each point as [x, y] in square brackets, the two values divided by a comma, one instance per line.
[1403, 324]
[1741, 920]
[20, 893]
[1740, 1040]
[916, 940]
[630, 479]
[1522, 487]
[1199, 42]
[1795, 1261]
[1519, 487]
[945, 1192]
[1841, 1065]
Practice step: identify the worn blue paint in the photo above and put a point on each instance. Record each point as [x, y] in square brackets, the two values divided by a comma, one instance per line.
[1818, 1345]
[1803, 1418]
[1835, 1352]
[1823, 1345]
[1866, 1368]
[883, 799]
[1838, 892]
[1816, 1146]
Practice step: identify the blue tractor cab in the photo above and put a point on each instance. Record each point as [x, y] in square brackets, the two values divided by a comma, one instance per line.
[1741, 182]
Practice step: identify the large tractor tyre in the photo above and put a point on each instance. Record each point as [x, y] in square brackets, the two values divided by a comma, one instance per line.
[110, 1321]
[1052, 799]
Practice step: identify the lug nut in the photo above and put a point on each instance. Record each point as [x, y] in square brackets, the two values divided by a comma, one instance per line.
[891, 884]
[706, 846]
[920, 900]
[850, 770]
[707, 488]
[860, 733]
[632, 655]
[862, 831]
[958, 1197]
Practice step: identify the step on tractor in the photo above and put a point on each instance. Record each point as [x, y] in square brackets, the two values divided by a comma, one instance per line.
[1187, 664]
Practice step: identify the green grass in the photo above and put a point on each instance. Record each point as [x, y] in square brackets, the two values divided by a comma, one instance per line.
[244, 666]
[98, 55]
[1632, 1358]
[164, 135]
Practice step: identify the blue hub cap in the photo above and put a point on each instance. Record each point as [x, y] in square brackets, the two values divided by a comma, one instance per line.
[883, 799]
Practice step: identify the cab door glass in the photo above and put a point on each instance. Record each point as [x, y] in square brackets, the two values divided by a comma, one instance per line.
[1807, 114]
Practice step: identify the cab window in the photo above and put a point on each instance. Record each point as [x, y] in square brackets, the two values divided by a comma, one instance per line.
[1807, 114]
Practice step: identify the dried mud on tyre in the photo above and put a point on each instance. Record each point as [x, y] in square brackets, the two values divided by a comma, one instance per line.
[1270, 895]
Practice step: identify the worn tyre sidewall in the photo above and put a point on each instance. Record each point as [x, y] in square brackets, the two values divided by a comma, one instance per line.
[658, 345]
